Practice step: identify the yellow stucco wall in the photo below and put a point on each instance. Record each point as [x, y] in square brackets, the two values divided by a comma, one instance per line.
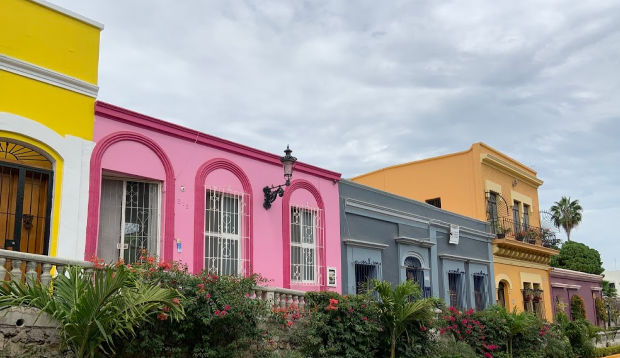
[50, 39]
[65, 44]
[64, 111]
[515, 275]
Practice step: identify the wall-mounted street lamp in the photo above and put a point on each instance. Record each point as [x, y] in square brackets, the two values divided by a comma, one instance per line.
[272, 192]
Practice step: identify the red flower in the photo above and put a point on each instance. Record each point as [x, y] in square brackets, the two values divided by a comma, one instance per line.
[289, 323]
[333, 301]
[176, 301]
[166, 309]
[247, 295]
[200, 286]
[351, 309]
[227, 308]
[217, 312]
[423, 328]
[453, 310]
[150, 259]
[364, 318]
[464, 321]
[488, 355]
[208, 295]
[164, 265]
[162, 316]
[470, 312]
[442, 331]
[452, 319]
[223, 313]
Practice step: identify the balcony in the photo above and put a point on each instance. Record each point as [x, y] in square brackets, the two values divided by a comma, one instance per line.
[506, 228]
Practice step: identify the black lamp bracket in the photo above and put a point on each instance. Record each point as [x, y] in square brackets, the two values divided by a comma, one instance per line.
[271, 194]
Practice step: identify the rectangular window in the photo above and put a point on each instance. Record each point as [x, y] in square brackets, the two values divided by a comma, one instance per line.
[303, 244]
[434, 202]
[516, 217]
[223, 213]
[128, 219]
[528, 296]
[364, 272]
[526, 216]
[537, 301]
[480, 291]
[455, 287]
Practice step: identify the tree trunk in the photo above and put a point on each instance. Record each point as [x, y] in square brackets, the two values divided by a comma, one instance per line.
[393, 339]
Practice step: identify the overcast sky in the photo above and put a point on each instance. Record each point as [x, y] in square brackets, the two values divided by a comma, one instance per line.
[354, 86]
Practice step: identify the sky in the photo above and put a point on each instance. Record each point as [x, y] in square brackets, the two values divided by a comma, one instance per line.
[354, 86]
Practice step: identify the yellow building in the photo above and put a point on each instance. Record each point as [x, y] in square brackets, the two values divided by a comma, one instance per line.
[487, 185]
[48, 85]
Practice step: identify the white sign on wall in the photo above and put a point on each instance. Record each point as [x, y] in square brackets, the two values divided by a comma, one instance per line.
[332, 277]
[454, 234]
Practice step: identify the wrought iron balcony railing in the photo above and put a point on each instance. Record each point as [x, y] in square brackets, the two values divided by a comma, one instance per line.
[508, 228]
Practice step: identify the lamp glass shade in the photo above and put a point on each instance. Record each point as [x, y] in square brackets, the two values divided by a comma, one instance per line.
[288, 167]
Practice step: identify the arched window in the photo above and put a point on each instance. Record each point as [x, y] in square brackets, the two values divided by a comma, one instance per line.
[414, 271]
[26, 177]
[501, 294]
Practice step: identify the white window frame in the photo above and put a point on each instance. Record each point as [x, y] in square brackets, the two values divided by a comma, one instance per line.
[221, 234]
[302, 245]
[121, 244]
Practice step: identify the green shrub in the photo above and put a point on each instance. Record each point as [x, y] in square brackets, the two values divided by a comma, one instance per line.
[577, 308]
[337, 326]
[607, 351]
[601, 312]
[447, 347]
[221, 319]
[580, 334]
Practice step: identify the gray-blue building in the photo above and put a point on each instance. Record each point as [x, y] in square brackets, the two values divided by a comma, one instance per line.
[392, 238]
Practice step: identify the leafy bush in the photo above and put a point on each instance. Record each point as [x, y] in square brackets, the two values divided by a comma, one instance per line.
[607, 351]
[448, 347]
[95, 309]
[466, 327]
[222, 320]
[337, 326]
[577, 308]
[580, 334]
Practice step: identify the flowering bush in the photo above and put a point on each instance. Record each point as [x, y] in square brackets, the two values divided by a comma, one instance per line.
[337, 326]
[465, 326]
[220, 315]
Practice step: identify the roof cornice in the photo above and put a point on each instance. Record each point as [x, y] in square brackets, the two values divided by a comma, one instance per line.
[510, 169]
[560, 272]
[137, 119]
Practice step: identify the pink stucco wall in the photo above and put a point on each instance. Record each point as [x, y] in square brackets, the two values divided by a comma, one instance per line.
[186, 158]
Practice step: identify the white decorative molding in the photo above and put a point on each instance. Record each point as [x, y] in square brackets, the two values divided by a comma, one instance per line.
[510, 169]
[42, 74]
[366, 244]
[463, 258]
[62, 10]
[413, 241]
[560, 272]
[596, 288]
[384, 210]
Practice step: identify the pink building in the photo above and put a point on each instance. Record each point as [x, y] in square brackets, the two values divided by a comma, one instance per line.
[188, 196]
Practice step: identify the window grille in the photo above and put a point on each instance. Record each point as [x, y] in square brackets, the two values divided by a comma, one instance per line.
[480, 290]
[492, 211]
[306, 245]
[226, 233]
[129, 219]
[516, 217]
[364, 272]
[455, 288]
[526, 217]
[414, 271]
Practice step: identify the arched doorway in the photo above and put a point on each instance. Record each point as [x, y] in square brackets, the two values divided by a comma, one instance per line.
[502, 293]
[26, 182]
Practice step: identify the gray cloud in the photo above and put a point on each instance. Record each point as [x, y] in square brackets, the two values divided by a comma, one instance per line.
[355, 86]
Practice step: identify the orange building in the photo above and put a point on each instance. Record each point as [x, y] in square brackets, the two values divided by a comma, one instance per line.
[485, 184]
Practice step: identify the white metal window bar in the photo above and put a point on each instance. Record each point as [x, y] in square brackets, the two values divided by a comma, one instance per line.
[306, 244]
[134, 206]
[226, 232]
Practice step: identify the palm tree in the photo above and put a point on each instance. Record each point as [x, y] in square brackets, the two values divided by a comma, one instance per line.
[566, 214]
[94, 309]
[400, 306]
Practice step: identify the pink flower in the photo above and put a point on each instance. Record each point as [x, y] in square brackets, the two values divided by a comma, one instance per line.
[247, 295]
[176, 301]
[223, 313]
[442, 331]
[423, 328]
[289, 323]
[452, 319]
[166, 309]
[333, 301]
[488, 355]
[351, 309]
[200, 286]
[227, 308]
[208, 295]
[217, 312]
[464, 321]
[364, 318]
[470, 312]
